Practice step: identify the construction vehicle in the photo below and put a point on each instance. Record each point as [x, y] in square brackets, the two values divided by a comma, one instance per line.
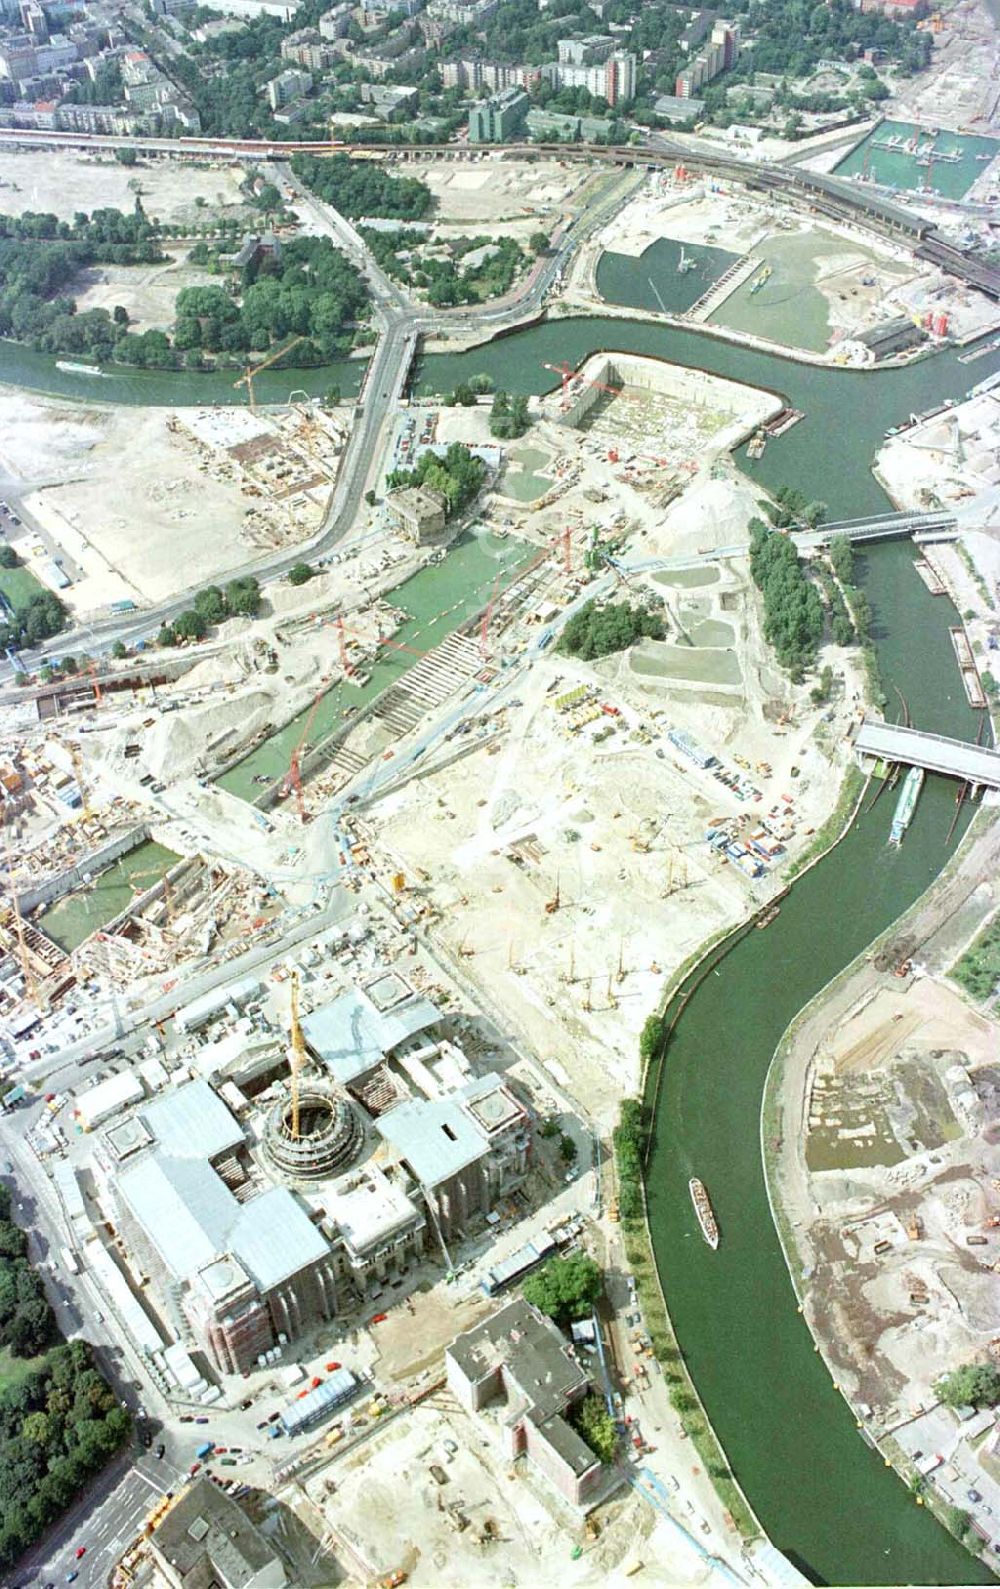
[552, 905]
[247, 378]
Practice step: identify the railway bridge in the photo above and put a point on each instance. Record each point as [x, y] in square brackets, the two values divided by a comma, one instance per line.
[883, 527]
[976, 765]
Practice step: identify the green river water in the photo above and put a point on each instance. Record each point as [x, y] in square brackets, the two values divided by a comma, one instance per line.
[820, 1493]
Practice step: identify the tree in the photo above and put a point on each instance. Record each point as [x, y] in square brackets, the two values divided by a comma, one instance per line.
[538, 242]
[300, 574]
[269, 199]
[565, 1288]
[595, 1425]
[211, 604]
[8, 557]
[166, 636]
[120, 315]
[190, 626]
[974, 1385]
[126, 157]
[119, 650]
[371, 498]
[243, 596]
[567, 1148]
[333, 397]
[31, 1329]
[598, 631]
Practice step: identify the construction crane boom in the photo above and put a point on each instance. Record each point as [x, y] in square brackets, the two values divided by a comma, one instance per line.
[247, 378]
[77, 761]
[296, 1055]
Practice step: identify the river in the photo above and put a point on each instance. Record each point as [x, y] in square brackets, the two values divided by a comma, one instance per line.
[820, 1493]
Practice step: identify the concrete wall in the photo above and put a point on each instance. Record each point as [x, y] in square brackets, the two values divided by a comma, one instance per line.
[74, 876]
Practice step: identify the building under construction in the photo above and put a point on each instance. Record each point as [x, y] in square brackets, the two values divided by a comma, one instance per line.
[257, 1214]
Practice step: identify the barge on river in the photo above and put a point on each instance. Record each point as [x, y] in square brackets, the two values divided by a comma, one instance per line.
[703, 1209]
[906, 805]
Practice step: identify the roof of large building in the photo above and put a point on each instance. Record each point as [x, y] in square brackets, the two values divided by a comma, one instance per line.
[540, 1377]
[368, 1208]
[417, 502]
[208, 1540]
[192, 1122]
[352, 1035]
[532, 1352]
[438, 1137]
[191, 1217]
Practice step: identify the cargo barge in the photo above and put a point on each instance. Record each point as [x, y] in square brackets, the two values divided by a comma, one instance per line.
[967, 667]
[703, 1209]
[930, 576]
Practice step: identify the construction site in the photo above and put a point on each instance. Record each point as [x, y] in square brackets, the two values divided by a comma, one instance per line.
[211, 487]
[905, 1178]
[710, 253]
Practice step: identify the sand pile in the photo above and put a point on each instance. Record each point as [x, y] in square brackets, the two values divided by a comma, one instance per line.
[712, 514]
[176, 744]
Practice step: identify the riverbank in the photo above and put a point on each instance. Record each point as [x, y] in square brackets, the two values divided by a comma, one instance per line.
[870, 1382]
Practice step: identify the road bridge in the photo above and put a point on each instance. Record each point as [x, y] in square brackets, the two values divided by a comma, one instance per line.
[975, 764]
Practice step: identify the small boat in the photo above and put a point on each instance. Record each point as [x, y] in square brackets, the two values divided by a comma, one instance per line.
[703, 1209]
[70, 368]
[768, 917]
[756, 445]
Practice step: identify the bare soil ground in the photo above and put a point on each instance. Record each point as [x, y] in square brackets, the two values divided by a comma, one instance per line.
[63, 183]
[502, 197]
[160, 524]
[148, 292]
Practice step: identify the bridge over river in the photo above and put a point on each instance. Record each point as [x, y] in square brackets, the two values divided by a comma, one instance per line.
[976, 764]
[884, 527]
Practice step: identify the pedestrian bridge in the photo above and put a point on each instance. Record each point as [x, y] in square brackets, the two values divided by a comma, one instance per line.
[976, 764]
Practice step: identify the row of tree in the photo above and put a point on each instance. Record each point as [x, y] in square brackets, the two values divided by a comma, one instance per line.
[793, 609]
[27, 1323]
[241, 598]
[58, 1427]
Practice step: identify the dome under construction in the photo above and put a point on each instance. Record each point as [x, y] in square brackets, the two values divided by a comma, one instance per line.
[328, 1140]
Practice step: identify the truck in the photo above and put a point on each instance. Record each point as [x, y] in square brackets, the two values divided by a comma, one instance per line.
[12, 1098]
[205, 1450]
[70, 1261]
[123, 606]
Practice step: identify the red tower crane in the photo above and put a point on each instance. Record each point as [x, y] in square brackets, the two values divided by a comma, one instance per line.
[565, 372]
[293, 777]
[488, 618]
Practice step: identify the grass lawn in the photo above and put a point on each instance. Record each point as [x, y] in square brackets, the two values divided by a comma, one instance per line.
[18, 585]
[14, 1369]
[978, 970]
